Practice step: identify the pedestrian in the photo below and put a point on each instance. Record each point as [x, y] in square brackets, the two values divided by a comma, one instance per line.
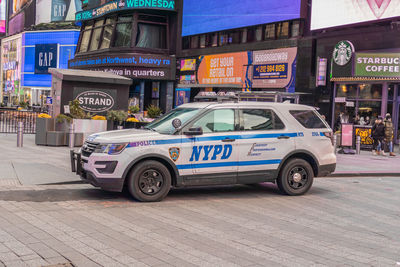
[389, 133]
[378, 135]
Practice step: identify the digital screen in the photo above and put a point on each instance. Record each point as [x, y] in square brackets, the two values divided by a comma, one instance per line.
[329, 13]
[3, 16]
[210, 16]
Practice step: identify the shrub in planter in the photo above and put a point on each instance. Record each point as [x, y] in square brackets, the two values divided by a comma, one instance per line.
[153, 111]
[76, 111]
[133, 109]
[115, 118]
[63, 122]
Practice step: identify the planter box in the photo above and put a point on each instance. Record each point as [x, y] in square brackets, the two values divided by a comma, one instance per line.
[62, 127]
[42, 127]
[56, 138]
[88, 127]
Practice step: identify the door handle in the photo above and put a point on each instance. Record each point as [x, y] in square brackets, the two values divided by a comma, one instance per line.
[283, 137]
[228, 140]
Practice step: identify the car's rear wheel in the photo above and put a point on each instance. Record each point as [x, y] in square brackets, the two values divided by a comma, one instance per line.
[296, 177]
[149, 181]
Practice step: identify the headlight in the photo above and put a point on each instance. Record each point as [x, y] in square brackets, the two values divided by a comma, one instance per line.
[111, 149]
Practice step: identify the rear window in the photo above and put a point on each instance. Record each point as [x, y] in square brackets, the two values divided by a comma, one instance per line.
[308, 118]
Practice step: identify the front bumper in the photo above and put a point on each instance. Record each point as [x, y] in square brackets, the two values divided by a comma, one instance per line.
[108, 184]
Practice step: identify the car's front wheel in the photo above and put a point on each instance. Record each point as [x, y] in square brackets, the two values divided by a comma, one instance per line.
[296, 177]
[149, 181]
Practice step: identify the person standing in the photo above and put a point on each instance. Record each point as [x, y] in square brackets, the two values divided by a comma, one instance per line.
[389, 132]
[378, 134]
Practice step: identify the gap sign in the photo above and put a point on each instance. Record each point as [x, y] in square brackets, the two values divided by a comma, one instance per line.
[45, 57]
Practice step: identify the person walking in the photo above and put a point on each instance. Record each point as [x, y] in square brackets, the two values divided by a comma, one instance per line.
[389, 133]
[378, 134]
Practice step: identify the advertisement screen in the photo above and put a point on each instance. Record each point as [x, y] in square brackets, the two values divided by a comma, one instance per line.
[2, 16]
[328, 13]
[210, 16]
[61, 10]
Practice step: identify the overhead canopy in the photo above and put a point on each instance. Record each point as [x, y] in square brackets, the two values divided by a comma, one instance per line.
[89, 76]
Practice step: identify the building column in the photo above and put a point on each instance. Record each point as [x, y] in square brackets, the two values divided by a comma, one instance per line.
[333, 106]
[385, 88]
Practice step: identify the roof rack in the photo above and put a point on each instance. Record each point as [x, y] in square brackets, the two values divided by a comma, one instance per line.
[213, 97]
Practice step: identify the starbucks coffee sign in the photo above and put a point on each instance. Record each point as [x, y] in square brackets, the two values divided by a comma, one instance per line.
[343, 52]
[377, 65]
[95, 100]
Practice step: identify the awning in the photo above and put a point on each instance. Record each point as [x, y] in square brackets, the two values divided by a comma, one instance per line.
[365, 79]
[209, 85]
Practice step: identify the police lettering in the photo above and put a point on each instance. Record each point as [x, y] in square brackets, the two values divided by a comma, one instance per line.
[211, 152]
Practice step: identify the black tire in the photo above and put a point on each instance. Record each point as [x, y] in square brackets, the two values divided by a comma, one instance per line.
[149, 181]
[296, 177]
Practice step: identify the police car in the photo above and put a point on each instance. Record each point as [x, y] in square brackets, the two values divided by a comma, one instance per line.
[210, 143]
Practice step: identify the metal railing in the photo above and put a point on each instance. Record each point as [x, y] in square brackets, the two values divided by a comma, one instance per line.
[9, 120]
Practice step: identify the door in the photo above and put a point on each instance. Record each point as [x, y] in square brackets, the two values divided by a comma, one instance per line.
[215, 151]
[264, 143]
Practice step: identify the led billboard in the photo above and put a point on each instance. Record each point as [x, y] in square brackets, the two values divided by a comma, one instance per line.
[209, 16]
[328, 13]
[2, 16]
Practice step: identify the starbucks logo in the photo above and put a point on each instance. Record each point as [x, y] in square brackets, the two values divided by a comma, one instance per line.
[343, 52]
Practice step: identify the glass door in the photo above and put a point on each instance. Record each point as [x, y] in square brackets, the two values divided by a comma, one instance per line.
[396, 122]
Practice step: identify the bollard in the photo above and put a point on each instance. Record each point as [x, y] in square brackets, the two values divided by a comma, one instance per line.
[334, 142]
[71, 143]
[20, 134]
[119, 127]
[358, 144]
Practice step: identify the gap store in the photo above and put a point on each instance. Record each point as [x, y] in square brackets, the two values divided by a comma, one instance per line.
[28, 78]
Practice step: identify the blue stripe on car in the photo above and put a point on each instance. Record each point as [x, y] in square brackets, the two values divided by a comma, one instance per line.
[227, 164]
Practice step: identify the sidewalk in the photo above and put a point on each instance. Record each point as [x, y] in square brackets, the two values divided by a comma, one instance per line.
[33, 165]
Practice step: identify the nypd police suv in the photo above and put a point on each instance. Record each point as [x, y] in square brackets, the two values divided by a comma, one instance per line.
[209, 143]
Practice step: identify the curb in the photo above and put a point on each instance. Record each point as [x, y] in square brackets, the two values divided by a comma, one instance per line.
[66, 183]
[367, 174]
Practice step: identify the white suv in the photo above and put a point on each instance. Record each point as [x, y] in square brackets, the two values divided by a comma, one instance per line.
[212, 144]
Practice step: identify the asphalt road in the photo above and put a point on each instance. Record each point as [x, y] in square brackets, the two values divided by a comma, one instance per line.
[340, 222]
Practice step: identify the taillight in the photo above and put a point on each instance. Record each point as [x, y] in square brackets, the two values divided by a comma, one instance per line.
[329, 135]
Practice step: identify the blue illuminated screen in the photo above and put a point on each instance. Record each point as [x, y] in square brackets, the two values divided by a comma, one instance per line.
[216, 15]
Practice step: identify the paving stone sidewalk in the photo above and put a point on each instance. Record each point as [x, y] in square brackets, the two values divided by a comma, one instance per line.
[341, 222]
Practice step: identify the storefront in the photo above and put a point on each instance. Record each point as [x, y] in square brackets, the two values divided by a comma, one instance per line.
[26, 59]
[134, 39]
[366, 85]
[10, 69]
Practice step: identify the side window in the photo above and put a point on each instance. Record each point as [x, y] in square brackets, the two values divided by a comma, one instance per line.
[308, 118]
[260, 120]
[219, 120]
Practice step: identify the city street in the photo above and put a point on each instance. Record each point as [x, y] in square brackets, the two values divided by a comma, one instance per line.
[340, 222]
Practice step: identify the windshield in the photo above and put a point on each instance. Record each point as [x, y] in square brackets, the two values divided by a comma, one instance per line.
[164, 125]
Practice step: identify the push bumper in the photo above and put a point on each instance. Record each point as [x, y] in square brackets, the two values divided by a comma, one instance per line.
[108, 184]
[325, 170]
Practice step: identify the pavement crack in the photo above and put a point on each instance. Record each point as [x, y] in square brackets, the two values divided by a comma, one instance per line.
[16, 174]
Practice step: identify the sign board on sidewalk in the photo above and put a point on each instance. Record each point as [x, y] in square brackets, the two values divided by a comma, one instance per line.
[340, 100]
[347, 135]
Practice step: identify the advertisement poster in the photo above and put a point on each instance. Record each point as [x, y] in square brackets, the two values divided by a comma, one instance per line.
[3, 16]
[228, 68]
[11, 68]
[182, 96]
[377, 65]
[347, 135]
[61, 10]
[188, 64]
[46, 56]
[328, 13]
[211, 16]
[365, 136]
[274, 68]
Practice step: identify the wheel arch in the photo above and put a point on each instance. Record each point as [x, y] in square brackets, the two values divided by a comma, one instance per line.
[302, 154]
[175, 179]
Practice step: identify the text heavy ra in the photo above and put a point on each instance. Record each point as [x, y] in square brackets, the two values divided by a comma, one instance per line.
[211, 152]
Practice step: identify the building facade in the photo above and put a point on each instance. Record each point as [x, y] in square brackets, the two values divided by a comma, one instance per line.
[135, 39]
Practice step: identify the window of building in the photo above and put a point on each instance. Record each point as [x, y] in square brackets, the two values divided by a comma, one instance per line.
[270, 31]
[194, 41]
[347, 90]
[234, 37]
[243, 38]
[260, 120]
[258, 33]
[151, 36]
[96, 34]
[85, 38]
[251, 35]
[123, 32]
[107, 33]
[214, 39]
[295, 29]
[223, 39]
[282, 29]
[370, 91]
[203, 39]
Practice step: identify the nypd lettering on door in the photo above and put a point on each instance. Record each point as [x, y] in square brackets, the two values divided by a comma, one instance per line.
[211, 152]
[46, 56]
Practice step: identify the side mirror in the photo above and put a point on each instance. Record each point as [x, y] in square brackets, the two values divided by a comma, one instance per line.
[194, 131]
